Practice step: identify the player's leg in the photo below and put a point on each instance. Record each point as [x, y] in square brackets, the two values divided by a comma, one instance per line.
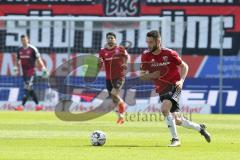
[32, 93]
[25, 97]
[35, 99]
[170, 104]
[34, 96]
[26, 93]
[120, 105]
[109, 87]
[201, 128]
[182, 121]
[170, 121]
[114, 87]
[24, 100]
[115, 92]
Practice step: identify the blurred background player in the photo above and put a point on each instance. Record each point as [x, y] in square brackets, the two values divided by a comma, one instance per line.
[162, 65]
[114, 59]
[27, 56]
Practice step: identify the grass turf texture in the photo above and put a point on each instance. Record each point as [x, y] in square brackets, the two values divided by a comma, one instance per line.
[40, 135]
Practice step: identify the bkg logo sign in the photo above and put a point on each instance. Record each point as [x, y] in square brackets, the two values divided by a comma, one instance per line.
[121, 7]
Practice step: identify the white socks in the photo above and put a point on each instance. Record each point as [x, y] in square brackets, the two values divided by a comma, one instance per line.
[171, 126]
[170, 120]
[189, 124]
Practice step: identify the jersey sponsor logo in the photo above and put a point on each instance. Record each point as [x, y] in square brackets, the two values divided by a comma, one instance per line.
[159, 64]
[25, 56]
[112, 58]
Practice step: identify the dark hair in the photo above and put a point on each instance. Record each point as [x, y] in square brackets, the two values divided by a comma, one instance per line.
[24, 36]
[111, 34]
[154, 34]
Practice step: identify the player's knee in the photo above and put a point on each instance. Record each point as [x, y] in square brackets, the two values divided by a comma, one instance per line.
[178, 121]
[165, 112]
[178, 118]
[114, 92]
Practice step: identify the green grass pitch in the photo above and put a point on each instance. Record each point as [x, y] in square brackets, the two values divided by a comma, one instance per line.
[41, 136]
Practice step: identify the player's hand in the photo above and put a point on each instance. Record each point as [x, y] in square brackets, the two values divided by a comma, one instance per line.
[124, 66]
[45, 73]
[15, 70]
[100, 63]
[100, 60]
[179, 84]
[144, 75]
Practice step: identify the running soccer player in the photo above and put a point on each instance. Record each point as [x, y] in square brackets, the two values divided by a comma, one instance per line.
[114, 59]
[27, 56]
[162, 65]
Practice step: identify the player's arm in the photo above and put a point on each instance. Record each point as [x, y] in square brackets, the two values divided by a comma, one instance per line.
[126, 56]
[145, 75]
[16, 64]
[183, 73]
[40, 62]
[39, 59]
[43, 67]
[100, 61]
[183, 68]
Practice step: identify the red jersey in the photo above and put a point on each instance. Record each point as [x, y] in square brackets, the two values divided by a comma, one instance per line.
[166, 62]
[115, 61]
[28, 56]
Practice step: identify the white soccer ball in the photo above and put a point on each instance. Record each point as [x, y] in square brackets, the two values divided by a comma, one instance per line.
[98, 138]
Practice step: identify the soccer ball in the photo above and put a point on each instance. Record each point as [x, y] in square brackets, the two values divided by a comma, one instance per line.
[98, 138]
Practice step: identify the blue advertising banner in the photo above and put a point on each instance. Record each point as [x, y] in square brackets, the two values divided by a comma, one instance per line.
[210, 67]
[196, 91]
[206, 91]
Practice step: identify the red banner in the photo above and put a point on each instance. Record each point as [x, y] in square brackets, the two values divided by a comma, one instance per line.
[200, 18]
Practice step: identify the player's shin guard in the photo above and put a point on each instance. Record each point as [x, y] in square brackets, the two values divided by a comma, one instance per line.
[191, 125]
[172, 126]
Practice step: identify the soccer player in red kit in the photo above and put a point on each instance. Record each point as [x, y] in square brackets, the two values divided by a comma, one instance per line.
[114, 59]
[27, 56]
[165, 68]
